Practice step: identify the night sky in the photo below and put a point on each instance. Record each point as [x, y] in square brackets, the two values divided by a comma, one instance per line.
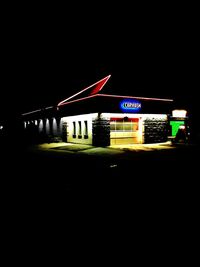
[46, 57]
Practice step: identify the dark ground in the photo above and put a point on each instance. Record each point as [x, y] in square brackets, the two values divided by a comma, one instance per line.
[151, 196]
[166, 175]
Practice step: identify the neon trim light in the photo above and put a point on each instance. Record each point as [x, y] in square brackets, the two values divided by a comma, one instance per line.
[97, 87]
[137, 97]
[77, 100]
[27, 113]
[49, 107]
[35, 111]
[115, 96]
[130, 105]
[93, 92]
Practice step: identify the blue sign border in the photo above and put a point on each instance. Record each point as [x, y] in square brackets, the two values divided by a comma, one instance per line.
[130, 105]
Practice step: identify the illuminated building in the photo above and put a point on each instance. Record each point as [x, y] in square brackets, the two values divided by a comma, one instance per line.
[89, 117]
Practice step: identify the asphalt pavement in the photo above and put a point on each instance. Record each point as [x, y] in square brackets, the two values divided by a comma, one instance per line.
[66, 186]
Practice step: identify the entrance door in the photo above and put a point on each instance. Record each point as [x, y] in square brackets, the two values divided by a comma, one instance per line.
[124, 131]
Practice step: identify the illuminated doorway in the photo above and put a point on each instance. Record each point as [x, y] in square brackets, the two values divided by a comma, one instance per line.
[124, 131]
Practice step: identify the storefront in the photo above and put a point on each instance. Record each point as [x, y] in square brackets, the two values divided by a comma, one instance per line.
[89, 117]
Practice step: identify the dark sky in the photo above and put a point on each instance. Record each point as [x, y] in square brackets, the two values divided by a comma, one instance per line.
[46, 57]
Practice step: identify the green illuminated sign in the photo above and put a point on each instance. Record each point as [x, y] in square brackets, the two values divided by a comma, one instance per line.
[175, 126]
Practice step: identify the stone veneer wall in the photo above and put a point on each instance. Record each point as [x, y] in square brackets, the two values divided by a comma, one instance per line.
[155, 130]
[101, 132]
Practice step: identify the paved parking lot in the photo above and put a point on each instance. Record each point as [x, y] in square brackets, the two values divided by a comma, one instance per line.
[114, 149]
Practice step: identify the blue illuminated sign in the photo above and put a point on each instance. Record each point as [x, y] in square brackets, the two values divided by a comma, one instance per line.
[130, 105]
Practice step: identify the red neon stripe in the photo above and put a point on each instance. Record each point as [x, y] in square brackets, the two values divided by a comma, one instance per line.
[127, 119]
[77, 100]
[136, 97]
[116, 96]
[98, 86]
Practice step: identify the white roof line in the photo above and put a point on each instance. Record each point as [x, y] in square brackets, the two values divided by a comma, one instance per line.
[34, 111]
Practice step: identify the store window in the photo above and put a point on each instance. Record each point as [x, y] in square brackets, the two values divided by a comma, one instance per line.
[79, 130]
[85, 129]
[74, 129]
